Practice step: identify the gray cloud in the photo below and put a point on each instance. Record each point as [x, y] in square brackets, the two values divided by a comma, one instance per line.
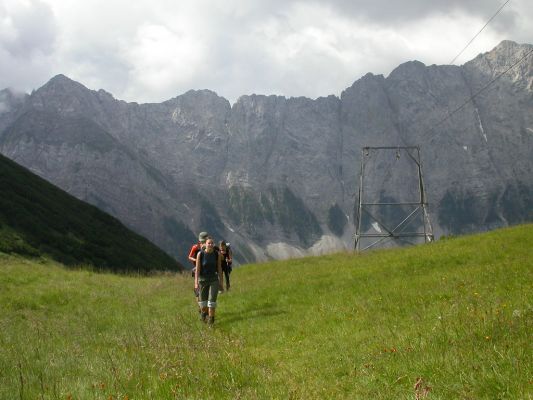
[27, 29]
[406, 12]
[150, 51]
[27, 43]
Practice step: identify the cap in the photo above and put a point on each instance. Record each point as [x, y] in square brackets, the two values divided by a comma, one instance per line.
[202, 237]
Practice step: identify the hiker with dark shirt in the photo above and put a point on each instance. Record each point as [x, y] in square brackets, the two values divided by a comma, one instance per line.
[226, 260]
[208, 280]
[193, 253]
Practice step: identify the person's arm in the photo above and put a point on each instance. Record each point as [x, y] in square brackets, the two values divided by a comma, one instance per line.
[219, 269]
[197, 270]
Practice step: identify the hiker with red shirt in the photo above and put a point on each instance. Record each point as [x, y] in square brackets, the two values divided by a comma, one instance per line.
[195, 249]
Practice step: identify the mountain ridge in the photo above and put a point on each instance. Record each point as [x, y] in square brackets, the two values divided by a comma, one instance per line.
[243, 170]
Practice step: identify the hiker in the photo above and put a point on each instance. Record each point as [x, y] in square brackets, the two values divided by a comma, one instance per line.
[227, 259]
[208, 280]
[195, 249]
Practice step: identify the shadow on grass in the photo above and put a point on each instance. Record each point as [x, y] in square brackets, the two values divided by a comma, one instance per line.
[251, 312]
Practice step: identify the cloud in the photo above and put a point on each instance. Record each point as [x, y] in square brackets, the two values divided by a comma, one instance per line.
[400, 13]
[314, 49]
[163, 58]
[26, 28]
[27, 42]
[148, 51]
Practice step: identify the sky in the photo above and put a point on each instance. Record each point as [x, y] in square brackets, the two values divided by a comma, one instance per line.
[154, 50]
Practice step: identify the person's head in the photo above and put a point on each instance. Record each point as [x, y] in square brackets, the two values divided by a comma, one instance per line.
[202, 237]
[209, 244]
[222, 245]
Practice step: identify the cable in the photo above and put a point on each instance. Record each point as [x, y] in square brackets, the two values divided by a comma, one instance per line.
[476, 35]
[423, 121]
[481, 90]
[455, 58]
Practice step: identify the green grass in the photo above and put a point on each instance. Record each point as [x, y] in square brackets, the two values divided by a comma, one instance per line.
[457, 313]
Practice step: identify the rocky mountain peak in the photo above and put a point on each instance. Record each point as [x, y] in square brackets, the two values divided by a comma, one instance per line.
[197, 96]
[63, 95]
[507, 48]
[63, 83]
[366, 83]
[407, 70]
[501, 58]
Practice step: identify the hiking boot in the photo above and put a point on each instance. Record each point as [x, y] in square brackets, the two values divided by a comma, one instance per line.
[203, 316]
[210, 321]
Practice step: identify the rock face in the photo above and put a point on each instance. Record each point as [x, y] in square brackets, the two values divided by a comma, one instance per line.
[279, 177]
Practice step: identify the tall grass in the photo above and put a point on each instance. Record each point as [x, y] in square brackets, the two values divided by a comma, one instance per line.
[455, 316]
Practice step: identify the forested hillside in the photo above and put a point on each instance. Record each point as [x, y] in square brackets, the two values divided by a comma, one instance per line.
[39, 219]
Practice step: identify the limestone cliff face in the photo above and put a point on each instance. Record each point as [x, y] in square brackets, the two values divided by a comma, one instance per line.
[278, 177]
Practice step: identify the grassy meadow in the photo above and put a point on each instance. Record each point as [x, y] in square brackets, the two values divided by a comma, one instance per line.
[449, 320]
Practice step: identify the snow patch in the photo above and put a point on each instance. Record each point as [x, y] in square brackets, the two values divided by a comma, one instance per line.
[229, 228]
[480, 125]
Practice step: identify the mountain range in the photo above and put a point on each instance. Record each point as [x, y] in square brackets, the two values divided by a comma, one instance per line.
[279, 177]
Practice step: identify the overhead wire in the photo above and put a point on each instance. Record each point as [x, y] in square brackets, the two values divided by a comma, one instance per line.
[472, 97]
[481, 30]
[423, 120]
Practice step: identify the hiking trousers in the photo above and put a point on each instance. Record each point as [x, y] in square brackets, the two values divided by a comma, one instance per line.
[226, 275]
[208, 292]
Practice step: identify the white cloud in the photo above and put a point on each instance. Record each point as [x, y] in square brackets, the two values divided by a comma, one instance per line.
[162, 59]
[27, 42]
[153, 50]
[26, 28]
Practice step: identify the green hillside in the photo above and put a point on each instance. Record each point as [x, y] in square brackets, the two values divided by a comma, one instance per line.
[456, 316]
[39, 219]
